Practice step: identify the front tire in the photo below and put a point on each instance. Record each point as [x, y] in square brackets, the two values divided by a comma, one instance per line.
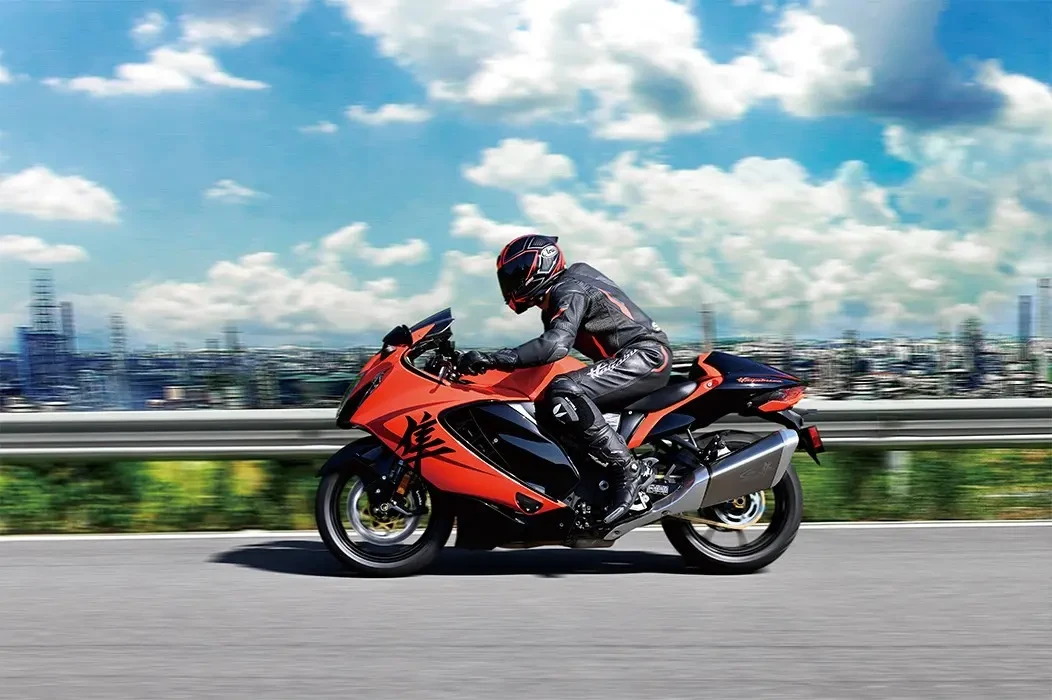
[710, 558]
[375, 558]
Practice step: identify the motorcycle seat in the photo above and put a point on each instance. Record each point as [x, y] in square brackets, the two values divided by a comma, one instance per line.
[675, 391]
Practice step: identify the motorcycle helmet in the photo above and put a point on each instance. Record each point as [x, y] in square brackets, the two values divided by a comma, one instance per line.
[526, 267]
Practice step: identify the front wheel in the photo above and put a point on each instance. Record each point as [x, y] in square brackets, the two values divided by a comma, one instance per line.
[720, 540]
[376, 541]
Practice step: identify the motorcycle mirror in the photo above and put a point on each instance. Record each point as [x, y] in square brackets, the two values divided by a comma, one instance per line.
[399, 335]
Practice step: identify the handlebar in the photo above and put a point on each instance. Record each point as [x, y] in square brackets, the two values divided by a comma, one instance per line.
[445, 361]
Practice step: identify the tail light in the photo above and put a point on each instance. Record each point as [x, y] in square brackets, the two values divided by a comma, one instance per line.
[816, 439]
[780, 399]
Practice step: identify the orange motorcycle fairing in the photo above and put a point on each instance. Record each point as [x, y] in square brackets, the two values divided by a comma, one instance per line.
[403, 412]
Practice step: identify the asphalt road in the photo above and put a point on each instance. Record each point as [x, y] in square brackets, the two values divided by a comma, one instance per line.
[855, 614]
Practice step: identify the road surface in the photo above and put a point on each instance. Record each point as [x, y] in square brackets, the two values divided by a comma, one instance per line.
[846, 614]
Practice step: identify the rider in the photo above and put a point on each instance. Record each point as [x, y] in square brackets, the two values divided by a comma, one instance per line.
[583, 309]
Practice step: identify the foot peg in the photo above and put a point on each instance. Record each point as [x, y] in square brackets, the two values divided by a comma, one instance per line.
[642, 501]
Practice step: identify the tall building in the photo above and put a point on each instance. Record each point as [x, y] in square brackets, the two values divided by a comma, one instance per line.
[1044, 328]
[849, 358]
[1025, 317]
[1044, 313]
[267, 391]
[232, 339]
[69, 331]
[212, 354]
[43, 302]
[972, 347]
[232, 349]
[41, 346]
[182, 362]
[708, 327]
[118, 361]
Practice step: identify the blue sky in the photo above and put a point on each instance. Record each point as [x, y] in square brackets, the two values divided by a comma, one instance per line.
[816, 165]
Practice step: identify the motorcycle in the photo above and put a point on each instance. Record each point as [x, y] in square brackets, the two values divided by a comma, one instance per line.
[441, 448]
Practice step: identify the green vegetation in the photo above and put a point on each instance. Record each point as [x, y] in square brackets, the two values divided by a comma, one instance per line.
[167, 496]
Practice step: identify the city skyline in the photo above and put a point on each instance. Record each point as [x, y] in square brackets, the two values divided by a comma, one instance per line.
[47, 314]
[51, 371]
[315, 171]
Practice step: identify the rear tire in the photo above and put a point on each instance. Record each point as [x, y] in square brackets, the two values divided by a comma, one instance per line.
[699, 553]
[406, 562]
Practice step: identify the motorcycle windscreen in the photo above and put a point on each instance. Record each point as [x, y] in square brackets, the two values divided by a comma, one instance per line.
[435, 323]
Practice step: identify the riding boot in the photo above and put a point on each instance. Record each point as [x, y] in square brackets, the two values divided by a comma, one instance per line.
[629, 479]
[628, 475]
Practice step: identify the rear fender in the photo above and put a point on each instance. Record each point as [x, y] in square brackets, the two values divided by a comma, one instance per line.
[366, 453]
[794, 419]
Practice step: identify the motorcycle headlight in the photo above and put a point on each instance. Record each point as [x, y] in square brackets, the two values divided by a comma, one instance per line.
[354, 398]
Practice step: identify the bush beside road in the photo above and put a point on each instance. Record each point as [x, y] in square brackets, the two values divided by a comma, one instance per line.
[850, 485]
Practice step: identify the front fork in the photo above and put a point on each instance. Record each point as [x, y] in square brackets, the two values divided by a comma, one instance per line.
[395, 482]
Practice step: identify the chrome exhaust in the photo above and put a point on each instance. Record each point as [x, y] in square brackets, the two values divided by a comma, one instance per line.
[757, 467]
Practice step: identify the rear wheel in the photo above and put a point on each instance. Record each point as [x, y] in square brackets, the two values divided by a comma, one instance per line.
[374, 539]
[744, 535]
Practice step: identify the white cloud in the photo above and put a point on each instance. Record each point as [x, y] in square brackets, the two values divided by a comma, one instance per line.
[5, 75]
[388, 114]
[149, 27]
[412, 251]
[636, 69]
[34, 250]
[639, 62]
[1027, 104]
[168, 70]
[975, 175]
[769, 244]
[187, 63]
[350, 241]
[815, 66]
[202, 31]
[638, 59]
[519, 164]
[256, 290]
[767, 5]
[779, 244]
[209, 23]
[231, 192]
[322, 127]
[470, 222]
[911, 79]
[43, 194]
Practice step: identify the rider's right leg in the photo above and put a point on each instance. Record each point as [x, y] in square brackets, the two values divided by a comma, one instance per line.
[568, 406]
[571, 402]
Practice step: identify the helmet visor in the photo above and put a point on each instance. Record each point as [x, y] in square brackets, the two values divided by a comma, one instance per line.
[513, 274]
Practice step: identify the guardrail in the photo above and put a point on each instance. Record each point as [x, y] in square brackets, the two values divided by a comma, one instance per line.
[286, 433]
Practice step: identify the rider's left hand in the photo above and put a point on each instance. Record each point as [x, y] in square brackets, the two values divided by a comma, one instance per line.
[474, 362]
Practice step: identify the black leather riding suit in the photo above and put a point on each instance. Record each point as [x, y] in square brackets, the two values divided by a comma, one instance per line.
[586, 311]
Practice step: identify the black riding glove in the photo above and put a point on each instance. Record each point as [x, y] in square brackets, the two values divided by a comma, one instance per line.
[477, 362]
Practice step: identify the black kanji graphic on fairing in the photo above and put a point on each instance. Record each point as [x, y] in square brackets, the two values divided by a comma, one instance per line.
[417, 443]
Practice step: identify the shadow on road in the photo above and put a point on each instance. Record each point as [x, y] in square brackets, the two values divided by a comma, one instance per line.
[310, 558]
